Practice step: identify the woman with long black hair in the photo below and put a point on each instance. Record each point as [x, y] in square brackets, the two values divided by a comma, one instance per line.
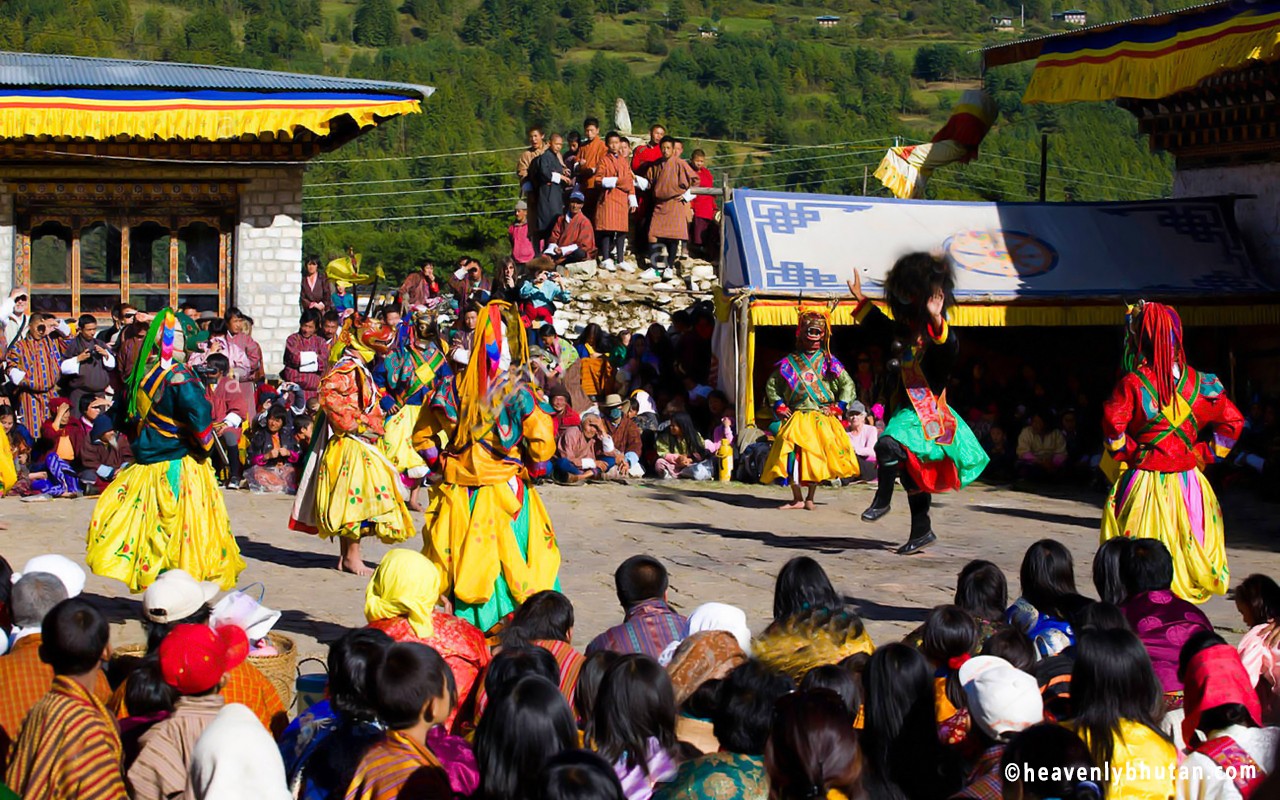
[521, 731]
[1118, 704]
[635, 724]
[1049, 598]
[905, 759]
[812, 750]
[811, 624]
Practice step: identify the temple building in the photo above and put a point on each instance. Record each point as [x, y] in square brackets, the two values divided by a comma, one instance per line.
[1203, 84]
[158, 183]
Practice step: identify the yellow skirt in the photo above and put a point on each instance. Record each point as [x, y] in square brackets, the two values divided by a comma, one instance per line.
[820, 446]
[160, 516]
[1178, 508]
[397, 443]
[356, 484]
[476, 534]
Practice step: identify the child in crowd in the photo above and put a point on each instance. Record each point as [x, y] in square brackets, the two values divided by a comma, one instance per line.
[522, 251]
[1258, 601]
[273, 455]
[679, 447]
[344, 300]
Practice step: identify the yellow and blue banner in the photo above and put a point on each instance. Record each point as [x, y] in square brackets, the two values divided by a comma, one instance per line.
[1147, 61]
[101, 114]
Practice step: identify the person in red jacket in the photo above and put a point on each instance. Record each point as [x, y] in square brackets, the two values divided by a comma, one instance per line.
[704, 236]
[1152, 424]
[644, 155]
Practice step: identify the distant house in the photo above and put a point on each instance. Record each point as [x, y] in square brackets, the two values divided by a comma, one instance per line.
[708, 31]
[1002, 23]
[828, 21]
[1072, 16]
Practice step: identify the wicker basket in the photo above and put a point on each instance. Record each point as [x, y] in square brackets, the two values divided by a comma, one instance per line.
[281, 669]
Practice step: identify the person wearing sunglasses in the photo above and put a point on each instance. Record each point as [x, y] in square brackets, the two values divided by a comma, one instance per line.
[15, 314]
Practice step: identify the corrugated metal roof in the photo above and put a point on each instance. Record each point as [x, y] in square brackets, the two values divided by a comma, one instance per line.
[33, 70]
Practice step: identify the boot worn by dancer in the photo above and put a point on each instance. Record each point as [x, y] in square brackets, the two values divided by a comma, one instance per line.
[922, 534]
[888, 477]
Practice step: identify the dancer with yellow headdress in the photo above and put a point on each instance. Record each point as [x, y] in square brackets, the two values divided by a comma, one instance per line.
[487, 529]
[349, 488]
[808, 393]
[164, 511]
[1151, 424]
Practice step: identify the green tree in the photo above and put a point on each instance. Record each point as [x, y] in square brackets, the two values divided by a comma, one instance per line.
[376, 24]
[677, 14]
[655, 43]
[209, 38]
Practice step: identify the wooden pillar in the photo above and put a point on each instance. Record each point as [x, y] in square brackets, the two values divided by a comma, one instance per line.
[173, 265]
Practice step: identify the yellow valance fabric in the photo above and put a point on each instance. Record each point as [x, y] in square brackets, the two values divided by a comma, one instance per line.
[1147, 61]
[204, 115]
[784, 312]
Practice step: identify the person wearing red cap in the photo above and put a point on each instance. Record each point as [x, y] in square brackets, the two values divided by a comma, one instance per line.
[194, 660]
[1234, 754]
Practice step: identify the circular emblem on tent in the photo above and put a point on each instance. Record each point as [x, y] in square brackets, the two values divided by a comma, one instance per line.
[1005, 254]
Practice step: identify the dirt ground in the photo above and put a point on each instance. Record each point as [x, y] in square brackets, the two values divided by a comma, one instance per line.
[722, 542]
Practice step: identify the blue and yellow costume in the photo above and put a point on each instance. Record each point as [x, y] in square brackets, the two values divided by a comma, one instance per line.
[487, 529]
[410, 375]
[165, 510]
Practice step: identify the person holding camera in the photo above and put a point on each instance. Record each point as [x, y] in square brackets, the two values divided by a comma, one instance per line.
[86, 362]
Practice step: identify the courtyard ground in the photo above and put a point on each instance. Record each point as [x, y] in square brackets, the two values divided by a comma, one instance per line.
[722, 542]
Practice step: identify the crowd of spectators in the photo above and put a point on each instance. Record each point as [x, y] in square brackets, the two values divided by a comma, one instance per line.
[663, 705]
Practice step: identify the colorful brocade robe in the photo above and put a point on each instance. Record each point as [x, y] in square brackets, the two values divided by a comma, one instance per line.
[349, 399]
[1140, 433]
[809, 382]
[175, 417]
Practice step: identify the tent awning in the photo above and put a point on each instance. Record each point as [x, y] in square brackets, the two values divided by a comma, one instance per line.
[1015, 263]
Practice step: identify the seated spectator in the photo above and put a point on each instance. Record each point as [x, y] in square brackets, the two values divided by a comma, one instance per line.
[1115, 694]
[306, 354]
[578, 775]
[949, 638]
[1041, 452]
[981, 590]
[812, 749]
[904, 757]
[697, 667]
[1001, 452]
[24, 677]
[545, 620]
[1222, 706]
[552, 354]
[714, 617]
[99, 451]
[236, 758]
[53, 454]
[20, 443]
[303, 429]
[151, 701]
[1162, 620]
[240, 334]
[572, 237]
[194, 660]
[742, 719]
[839, 680]
[540, 292]
[1108, 576]
[650, 624]
[635, 725]
[323, 746]
[1002, 702]
[679, 448]
[232, 401]
[1049, 598]
[401, 601]
[624, 434]
[69, 741]
[862, 438]
[176, 598]
[273, 455]
[1258, 601]
[576, 450]
[563, 415]
[460, 341]
[414, 692]
[1052, 763]
[525, 727]
[1015, 647]
[584, 695]
[222, 342]
[343, 299]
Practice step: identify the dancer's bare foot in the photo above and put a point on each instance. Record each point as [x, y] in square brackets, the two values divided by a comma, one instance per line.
[792, 506]
[351, 561]
[809, 505]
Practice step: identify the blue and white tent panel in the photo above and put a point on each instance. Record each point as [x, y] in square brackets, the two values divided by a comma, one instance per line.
[787, 244]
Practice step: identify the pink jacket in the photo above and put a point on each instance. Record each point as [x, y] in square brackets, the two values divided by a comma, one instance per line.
[1262, 662]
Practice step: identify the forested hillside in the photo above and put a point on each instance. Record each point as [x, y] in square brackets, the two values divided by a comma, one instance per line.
[776, 101]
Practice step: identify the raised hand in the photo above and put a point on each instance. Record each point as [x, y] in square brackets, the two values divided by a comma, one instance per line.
[855, 286]
[937, 301]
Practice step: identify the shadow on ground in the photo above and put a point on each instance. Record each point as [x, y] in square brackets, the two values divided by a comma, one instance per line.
[116, 609]
[822, 544]
[735, 499]
[323, 631]
[1090, 522]
[300, 559]
[869, 609]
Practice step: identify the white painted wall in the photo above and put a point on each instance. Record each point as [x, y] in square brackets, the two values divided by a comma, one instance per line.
[1258, 218]
[268, 258]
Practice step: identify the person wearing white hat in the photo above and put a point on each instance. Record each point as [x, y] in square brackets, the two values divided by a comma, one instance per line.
[66, 570]
[175, 596]
[1003, 701]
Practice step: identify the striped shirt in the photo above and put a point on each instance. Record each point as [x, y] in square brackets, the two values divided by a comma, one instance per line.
[246, 685]
[649, 627]
[69, 749]
[398, 767]
[160, 771]
[24, 680]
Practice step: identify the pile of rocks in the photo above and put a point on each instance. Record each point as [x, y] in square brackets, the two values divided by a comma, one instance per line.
[621, 300]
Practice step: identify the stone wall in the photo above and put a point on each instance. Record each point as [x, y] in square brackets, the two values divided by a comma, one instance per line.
[618, 301]
[268, 257]
[1258, 217]
[7, 239]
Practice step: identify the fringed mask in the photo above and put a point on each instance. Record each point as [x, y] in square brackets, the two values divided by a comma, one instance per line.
[376, 335]
[812, 331]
